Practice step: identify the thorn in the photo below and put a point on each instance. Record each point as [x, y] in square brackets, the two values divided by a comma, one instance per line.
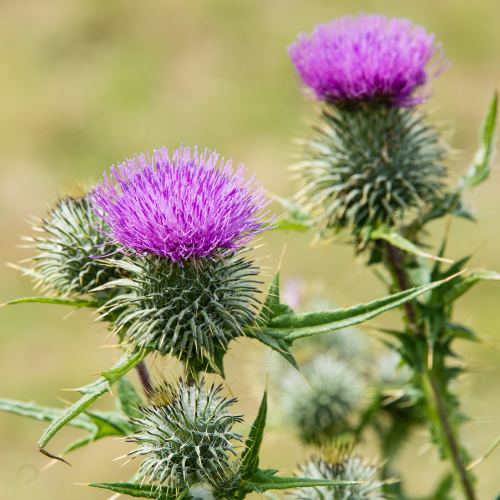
[75, 390]
[55, 457]
[65, 401]
[281, 258]
[93, 374]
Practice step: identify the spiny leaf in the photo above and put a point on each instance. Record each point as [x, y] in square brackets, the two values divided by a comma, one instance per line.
[395, 239]
[144, 490]
[481, 163]
[264, 480]
[91, 393]
[464, 284]
[291, 327]
[55, 300]
[37, 412]
[250, 457]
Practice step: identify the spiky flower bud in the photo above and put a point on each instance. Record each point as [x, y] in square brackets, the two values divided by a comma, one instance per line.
[186, 220]
[66, 263]
[367, 58]
[369, 164]
[322, 401]
[191, 311]
[186, 436]
[345, 465]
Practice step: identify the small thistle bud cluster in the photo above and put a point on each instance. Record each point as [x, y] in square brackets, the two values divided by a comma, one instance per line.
[186, 436]
[190, 311]
[373, 159]
[322, 402]
[344, 465]
[66, 263]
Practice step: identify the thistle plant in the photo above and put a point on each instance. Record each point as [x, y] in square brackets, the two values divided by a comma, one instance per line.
[161, 248]
[373, 170]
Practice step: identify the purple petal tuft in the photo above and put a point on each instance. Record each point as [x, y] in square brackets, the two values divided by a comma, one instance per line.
[181, 208]
[365, 58]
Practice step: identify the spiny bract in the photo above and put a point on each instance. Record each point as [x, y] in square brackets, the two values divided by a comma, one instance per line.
[369, 165]
[346, 466]
[66, 262]
[186, 436]
[191, 310]
[321, 402]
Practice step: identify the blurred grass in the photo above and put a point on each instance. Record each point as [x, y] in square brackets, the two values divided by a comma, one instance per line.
[86, 83]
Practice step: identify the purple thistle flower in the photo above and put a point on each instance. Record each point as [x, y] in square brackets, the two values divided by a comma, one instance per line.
[181, 208]
[366, 58]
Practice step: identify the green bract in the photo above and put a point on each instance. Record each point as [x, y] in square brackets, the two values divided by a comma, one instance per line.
[186, 436]
[367, 165]
[66, 263]
[191, 309]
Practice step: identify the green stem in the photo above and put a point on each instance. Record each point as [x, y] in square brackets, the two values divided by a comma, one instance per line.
[434, 397]
[440, 414]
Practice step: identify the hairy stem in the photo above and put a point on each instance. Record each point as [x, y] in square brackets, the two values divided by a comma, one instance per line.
[435, 400]
[143, 372]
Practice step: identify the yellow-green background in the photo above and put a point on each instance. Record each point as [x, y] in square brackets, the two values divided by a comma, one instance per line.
[85, 83]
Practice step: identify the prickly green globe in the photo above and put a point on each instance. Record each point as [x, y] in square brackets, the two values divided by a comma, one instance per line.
[347, 466]
[322, 402]
[67, 262]
[185, 436]
[369, 163]
[189, 309]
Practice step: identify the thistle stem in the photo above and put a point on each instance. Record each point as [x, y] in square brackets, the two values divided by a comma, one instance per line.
[434, 396]
[144, 377]
[451, 441]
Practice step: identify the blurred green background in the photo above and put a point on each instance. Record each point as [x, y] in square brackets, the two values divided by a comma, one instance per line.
[85, 83]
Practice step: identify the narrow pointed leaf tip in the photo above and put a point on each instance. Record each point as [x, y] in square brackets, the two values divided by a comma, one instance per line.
[397, 240]
[480, 168]
[366, 58]
[182, 207]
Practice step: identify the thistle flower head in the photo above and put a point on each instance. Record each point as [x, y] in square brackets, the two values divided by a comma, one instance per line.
[346, 465]
[323, 405]
[73, 236]
[181, 207]
[367, 58]
[191, 311]
[185, 436]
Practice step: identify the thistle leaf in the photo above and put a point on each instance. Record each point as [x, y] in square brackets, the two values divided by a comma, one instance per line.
[264, 480]
[480, 167]
[290, 327]
[143, 490]
[289, 225]
[462, 285]
[395, 239]
[91, 393]
[55, 300]
[250, 457]
[37, 412]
